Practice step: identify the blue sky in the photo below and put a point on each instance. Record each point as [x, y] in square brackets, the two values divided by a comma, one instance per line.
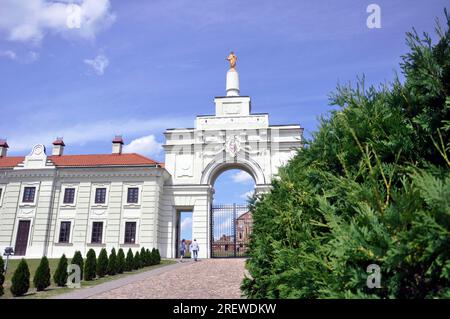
[138, 67]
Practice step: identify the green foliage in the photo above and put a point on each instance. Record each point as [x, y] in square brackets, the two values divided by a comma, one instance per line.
[90, 266]
[112, 263]
[158, 256]
[78, 260]
[102, 263]
[372, 187]
[42, 275]
[2, 275]
[144, 259]
[60, 275]
[120, 261]
[137, 261]
[148, 257]
[155, 258]
[20, 282]
[129, 262]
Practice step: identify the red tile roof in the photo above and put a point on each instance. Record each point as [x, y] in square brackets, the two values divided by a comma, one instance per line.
[10, 161]
[130, 159]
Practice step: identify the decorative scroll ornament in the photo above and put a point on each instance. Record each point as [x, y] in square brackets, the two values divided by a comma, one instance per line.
[233, 146]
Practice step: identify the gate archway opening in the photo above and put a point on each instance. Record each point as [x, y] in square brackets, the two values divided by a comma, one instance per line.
[231, 221]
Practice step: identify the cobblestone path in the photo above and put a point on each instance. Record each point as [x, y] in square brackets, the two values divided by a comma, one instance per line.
[207, 278]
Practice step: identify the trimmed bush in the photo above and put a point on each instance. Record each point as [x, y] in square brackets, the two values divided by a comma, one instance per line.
[78, 260]
[137, 261]
[102, 263]
[20, 282]
[42, 275]
[90, 267]
[2, 275]
[120, 265]
[60, 276]
[143, 257]
[148, 257]
[158, 256]
[112, 263]
[129, 262]
[153, 258]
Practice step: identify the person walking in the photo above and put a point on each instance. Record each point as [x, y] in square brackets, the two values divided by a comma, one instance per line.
[195, 249]
[182, 249]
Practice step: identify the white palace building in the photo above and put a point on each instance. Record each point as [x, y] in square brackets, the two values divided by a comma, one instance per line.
[55, 203]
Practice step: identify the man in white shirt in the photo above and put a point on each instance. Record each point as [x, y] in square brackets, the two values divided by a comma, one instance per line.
[194, 249]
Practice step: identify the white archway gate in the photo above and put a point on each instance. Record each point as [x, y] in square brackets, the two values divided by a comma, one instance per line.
[231, 138]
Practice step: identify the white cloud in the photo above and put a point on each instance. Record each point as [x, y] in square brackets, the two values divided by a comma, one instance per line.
[241, 177]
[98, 64]
[28, 57]
[31, 20]
[145, 145]
[8, 54]
[246, 195]
[186, 224]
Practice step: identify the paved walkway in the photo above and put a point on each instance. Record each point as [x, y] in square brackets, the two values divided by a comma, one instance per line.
[207, 278]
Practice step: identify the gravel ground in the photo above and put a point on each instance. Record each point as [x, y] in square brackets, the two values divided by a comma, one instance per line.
[207, 278]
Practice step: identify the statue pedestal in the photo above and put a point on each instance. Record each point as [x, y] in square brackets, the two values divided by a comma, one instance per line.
[232, 83]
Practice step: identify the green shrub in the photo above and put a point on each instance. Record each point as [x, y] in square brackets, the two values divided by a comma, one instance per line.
[372, 187]
[153, 257]
[42, 275]
[143, 256]
[129, 262]
[148, 257]
[112, 263]
[90, 267]
[120, 261]
[20, 282]
[2, 275]
[60, 275]
[78, 260]
[102, 263]
[158, 256]
[137, 261]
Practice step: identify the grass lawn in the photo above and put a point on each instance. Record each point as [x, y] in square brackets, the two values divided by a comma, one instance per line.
[53, 289]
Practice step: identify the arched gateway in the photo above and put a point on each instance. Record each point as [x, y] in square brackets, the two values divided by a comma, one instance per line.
[231, 138]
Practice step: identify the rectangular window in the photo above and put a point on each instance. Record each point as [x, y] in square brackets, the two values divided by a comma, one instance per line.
[28, 194]
[100, 195]
[1, 193]
[97, 232]
[64, 232]
[130, 233]
[69, 196]
[133, 195]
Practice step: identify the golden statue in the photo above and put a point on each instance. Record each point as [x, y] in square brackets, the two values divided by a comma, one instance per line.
[232, 59]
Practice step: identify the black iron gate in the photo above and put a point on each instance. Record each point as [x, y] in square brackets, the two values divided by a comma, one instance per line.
[231, 226]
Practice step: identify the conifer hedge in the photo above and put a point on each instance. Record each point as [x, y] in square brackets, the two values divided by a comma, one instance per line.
[42, 275]
[112, 263]
[371, 187]
[60, 275]
[90, 266]
[120, 261]
[102, 263]
[129, 262]
[137, 261]
[78, 260]
[20, 282]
